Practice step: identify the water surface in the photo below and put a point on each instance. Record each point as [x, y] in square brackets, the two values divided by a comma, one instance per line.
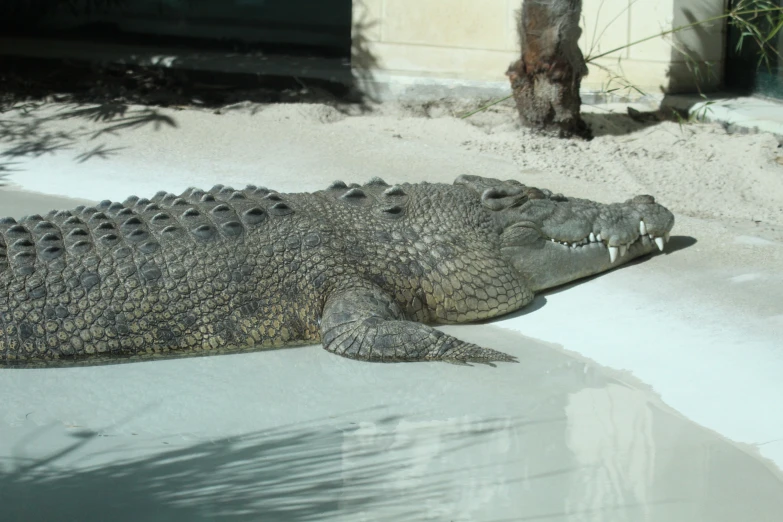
[303, 435]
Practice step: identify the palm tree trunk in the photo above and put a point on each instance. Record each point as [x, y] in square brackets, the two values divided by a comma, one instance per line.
[545, 80]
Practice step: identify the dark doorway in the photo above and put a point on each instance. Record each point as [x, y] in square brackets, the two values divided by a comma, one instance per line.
[321, 28]
[745, 72]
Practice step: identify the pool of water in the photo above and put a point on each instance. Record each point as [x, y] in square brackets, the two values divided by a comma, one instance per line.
[303, 435]
[18, 203]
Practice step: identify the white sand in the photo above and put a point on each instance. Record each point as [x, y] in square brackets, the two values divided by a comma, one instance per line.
[698, 170]
[702, 326]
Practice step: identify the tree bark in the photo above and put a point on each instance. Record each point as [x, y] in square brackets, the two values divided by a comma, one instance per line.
[545, 80]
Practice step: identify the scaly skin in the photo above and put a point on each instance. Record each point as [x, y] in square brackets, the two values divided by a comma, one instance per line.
[362, 269]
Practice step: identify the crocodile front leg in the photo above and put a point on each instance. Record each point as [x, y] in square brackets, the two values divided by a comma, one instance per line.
[361, 321]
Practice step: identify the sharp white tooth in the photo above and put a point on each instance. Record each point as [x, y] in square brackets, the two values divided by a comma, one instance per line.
[666, 237]
[598, 237]
[659, 242]
[651, 236]
[552, 240]
[642, 228]
[623, 250]
[613, 254]
[592, 238]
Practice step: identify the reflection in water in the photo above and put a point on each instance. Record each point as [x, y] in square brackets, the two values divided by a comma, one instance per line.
[429, 449]
[610, 434]
[579, 444]
[300, 435]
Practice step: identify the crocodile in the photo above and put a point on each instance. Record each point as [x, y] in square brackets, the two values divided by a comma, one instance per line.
[364, 269]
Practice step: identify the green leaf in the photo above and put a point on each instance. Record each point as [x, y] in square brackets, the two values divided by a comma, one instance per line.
[775, 31]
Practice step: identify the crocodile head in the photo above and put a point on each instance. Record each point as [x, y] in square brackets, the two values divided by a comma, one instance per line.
[552, 239]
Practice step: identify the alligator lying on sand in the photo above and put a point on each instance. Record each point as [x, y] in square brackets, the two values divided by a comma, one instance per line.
[363, 269]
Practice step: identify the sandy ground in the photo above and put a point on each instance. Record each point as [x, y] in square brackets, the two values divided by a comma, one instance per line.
[559, 437]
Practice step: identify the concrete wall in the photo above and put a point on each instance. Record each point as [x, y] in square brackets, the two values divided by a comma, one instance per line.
[477, 40]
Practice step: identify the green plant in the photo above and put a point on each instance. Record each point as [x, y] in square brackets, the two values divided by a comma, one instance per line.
[750, 16]
[617, 82]
[697, 116]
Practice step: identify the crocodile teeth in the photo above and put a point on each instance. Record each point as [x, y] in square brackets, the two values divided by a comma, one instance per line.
[592, 238]
[642, 228]
[659, 242]
[623, 250]
[613, 251]
[666, 237]
[598, 237]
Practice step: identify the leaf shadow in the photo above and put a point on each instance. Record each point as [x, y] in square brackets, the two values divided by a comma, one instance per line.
[103, 112]
[137, 119]
[33, 129]
[300, 472]
[101, 151]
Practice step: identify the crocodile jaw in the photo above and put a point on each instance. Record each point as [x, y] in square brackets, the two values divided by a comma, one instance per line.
[567, 262]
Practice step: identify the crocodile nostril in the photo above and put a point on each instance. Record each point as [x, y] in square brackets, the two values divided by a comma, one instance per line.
[643, 199]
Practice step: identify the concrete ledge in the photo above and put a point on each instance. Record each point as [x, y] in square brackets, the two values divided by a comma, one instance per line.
[389, 86]
[258, 63]
[736, 113]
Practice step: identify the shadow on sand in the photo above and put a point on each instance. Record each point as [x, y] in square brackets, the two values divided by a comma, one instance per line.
[30, 129]
[118, 97]
[610, 123]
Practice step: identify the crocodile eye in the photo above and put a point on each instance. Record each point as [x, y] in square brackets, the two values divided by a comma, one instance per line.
[534, 193]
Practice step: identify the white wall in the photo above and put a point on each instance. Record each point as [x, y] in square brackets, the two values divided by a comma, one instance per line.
[477, 40]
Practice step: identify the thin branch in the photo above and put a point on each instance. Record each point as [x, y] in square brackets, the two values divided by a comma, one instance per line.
[731, 14]
[485, 107]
